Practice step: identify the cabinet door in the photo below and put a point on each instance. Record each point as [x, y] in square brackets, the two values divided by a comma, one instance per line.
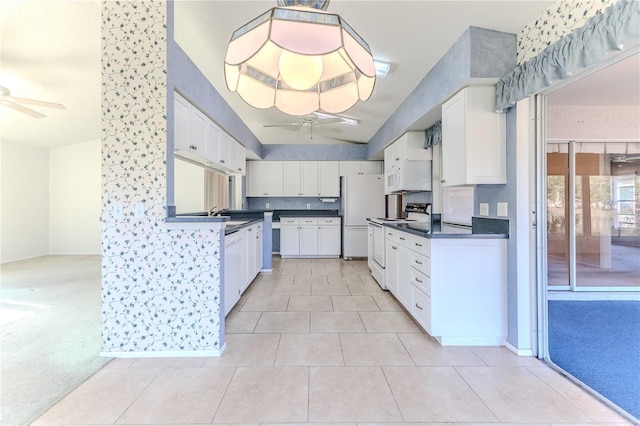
[349, 168]
[213, 142]
[274, 178]
[436, 188]
[289, 241]
[198, 133]
[181, 116]
[309, 240]
[328, 179]
[258, 250]
[371, 167]
[256, 179]
[309, 178]
[391, 259]
[292, 183]
[238, 159]
[225, 147]
[250, 251]
[329, 240]
[404, 277]
[454, 157]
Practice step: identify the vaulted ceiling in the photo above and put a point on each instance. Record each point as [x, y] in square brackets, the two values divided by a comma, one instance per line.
[51, 51]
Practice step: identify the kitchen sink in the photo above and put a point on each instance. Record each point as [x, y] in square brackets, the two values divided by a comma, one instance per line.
[236, 222]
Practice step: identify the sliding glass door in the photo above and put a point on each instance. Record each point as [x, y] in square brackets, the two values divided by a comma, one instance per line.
[593, 216]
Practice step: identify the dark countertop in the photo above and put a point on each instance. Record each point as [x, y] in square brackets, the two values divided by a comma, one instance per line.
[250, 214]
[442, 231]
[204, 218]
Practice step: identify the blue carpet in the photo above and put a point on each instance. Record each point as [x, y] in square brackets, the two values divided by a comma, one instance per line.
[598, 342]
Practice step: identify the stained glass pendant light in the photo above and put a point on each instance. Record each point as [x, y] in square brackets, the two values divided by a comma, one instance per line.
[300, 58]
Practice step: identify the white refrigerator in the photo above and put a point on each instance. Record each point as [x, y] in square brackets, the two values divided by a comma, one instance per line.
[362, 197]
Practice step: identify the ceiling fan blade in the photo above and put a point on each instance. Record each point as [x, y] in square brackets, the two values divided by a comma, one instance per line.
[281, 125]
[23, 109]
[37, 102]
[325, 121]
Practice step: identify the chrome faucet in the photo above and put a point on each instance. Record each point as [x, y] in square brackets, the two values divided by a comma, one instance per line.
[214, 212]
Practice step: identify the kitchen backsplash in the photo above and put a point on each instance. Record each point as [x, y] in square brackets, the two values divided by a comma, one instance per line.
[291, 203]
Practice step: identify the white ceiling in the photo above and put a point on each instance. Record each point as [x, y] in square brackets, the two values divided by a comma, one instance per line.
[51, 51]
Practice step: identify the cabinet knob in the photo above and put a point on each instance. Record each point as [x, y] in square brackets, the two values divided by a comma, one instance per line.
[402, 238]
[195, 148]
[418, 262]
[222, 161]
[419, 307]
[394, 247]
[418, 244]
[418, 280]
[441, 180]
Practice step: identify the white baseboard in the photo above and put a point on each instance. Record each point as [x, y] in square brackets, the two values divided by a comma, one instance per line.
[519, 352]
[165, 354]
[471, 340]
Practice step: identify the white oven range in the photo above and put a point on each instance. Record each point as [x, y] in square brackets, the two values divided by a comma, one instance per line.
[416, 212]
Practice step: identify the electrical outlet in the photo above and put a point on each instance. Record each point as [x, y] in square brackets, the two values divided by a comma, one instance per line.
[484, 209]
[503, 209]
[139, 210]
[308, 205]
[267, 206]
[118, 211]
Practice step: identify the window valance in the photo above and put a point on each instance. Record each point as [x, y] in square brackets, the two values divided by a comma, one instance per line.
[617, 26]
[433, 135]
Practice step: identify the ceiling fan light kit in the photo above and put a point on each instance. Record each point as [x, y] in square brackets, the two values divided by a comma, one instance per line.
[300, 59]
[16, 103]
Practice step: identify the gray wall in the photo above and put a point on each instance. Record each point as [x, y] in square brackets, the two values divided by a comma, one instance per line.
[315, 152]
[493, 194]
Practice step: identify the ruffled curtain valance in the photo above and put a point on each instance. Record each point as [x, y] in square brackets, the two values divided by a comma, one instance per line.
[433, 135]
[617, 26]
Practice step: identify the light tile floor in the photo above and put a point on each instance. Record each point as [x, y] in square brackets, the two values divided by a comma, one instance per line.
[318, 341]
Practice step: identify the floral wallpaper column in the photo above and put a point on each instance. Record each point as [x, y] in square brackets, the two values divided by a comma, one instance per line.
[160, 287]
[557, 21]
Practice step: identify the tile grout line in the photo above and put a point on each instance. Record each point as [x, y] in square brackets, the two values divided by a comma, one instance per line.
[455, 368]
[226, 389]
[160, 370]
[395, 401]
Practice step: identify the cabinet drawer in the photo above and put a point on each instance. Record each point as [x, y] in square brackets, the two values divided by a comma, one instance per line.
[308, 221]
[421, 263]
[392, 235]
[421, 308]
[289, 221]
[329, 221]
[422, 281]
[420, 244]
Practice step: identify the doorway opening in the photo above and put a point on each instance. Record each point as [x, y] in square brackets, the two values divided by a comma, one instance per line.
[589, 264]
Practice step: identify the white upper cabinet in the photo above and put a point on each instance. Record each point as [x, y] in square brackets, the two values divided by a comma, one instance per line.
[181, 124]
[360, 168]
[265, 179]
[473, 139]
[198, 139]
[237, 159]
[224, 156]
[293, 179]
[328, 179]
[407, 164]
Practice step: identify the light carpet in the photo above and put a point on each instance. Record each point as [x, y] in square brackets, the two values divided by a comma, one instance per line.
[50, 335]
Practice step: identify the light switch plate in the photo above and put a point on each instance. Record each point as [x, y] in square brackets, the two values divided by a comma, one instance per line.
[503, 209]
[267, 206]
[308, 205]
[118, 211]
[139, 210]
[484, 209]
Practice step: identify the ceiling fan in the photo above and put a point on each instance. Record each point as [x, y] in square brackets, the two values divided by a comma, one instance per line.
[306, 123]
[16, 103]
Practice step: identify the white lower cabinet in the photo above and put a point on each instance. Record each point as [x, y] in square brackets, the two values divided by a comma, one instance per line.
[242, 262]
[454, 288]
[310, 237]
